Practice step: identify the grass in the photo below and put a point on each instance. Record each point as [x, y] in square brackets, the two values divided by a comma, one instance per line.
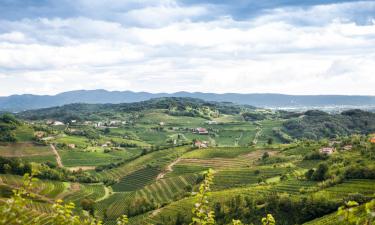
[24, 133]
[229, 152]
[88, 191]
[267, 126]
[157, 159]
[24, 149]
[79, 141]
[230, 178]
[72, 158]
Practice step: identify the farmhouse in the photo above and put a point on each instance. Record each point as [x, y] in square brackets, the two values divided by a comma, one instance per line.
[201, 131]
[347, 147]
[327, 150]
[201, 144]
[57, 123]
[107, 144]
[211, 122]
[49, 122]
[39, 134]
[372, 140]
[72, 146]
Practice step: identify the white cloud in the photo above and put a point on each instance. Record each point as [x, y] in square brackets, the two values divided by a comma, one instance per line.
[173, 53]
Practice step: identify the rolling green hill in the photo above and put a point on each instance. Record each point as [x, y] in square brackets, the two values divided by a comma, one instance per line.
[148, 159]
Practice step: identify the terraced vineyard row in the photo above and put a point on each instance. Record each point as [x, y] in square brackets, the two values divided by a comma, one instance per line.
[90, 191]
[243, 176]
[181, 169]
[293, 186]
[137, 179]
[165, 190]
[115, 205]
[365, 187]
[216, 163]
[160, 192]
[50, 189]
[154, 159]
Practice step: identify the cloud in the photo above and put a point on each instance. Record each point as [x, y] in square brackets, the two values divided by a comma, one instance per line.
[169, 46]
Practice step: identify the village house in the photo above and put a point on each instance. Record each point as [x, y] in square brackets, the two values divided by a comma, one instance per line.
[211, 122]
[49, 122]
[39, 134]
[201, 144]
[372, 140]
[57, 123]
[107, 144]
[347, 147]
[161, 123]
[72, 146]
[327, 150]
[201, 131]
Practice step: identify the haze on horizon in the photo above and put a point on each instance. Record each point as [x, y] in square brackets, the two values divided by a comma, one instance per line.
[283, 46]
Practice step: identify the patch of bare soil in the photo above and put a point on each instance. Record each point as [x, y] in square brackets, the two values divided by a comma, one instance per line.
[83, 168]
[75, 187]
[168, 169]
[258, 153]
[58, 158]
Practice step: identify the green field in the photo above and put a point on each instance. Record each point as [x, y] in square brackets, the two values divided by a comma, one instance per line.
[24, 149]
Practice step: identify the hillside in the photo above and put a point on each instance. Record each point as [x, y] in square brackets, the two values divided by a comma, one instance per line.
[181, 106]
[17, 103]
[145, 160]
[317, 124]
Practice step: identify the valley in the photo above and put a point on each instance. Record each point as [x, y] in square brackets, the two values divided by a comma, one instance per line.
[145, 160]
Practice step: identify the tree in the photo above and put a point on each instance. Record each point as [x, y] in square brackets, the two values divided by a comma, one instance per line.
[346, 212]
[202, 213]
[15, 211]
[320, 173]
[268, 220]
[107, 130]
[123, 220]
[270, 141]
[265, 156]
[88, 205]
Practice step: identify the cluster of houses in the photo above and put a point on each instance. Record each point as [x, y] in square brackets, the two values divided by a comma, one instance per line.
[111, 123]
[201, 144]
[330, 150]
[54, 123]
[200, 130]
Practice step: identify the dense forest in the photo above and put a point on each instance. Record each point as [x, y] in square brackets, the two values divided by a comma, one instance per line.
[316, 124]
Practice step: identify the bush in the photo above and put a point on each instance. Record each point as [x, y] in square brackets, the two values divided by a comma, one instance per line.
[320, 173]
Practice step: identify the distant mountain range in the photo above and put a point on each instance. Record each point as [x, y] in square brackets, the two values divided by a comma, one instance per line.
[16, 103]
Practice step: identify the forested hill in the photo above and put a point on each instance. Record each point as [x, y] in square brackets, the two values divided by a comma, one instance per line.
[17, 103]
[176, 106]
[316, 124]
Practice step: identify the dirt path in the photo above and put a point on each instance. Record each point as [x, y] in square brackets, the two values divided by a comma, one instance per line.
[168, 169]
[155, 212]
[58, 158]
[106, 194]
[257, 135]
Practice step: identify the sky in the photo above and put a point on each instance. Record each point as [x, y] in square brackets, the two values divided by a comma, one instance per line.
[238, 46]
